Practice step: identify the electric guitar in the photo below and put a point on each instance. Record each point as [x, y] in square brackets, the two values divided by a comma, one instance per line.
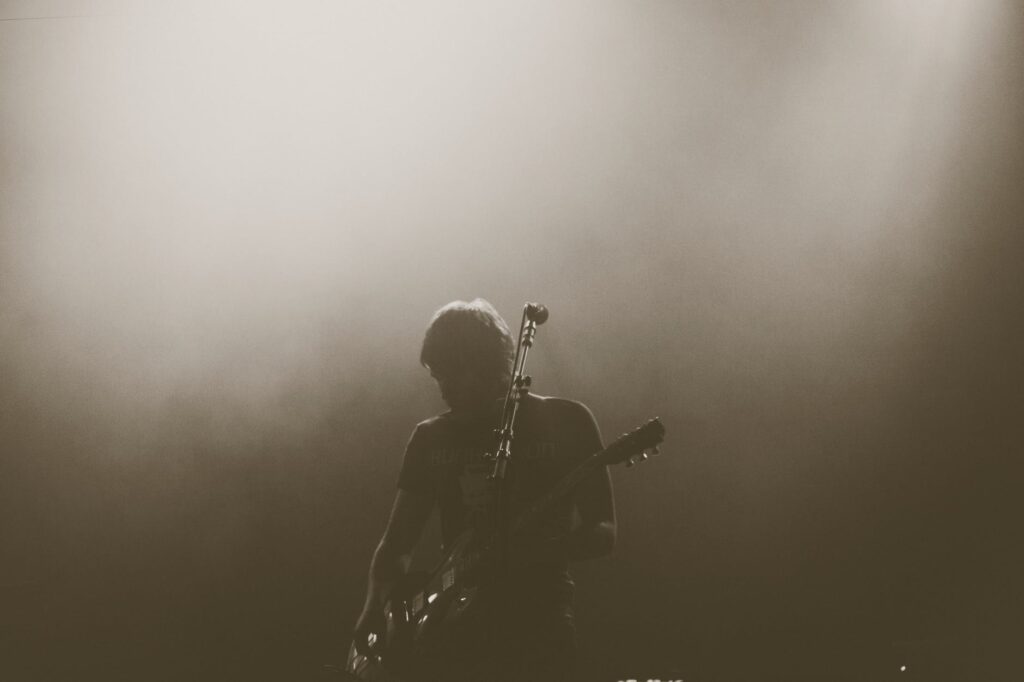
[426, 608]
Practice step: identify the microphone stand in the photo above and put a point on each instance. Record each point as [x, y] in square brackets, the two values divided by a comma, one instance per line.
[519, 386]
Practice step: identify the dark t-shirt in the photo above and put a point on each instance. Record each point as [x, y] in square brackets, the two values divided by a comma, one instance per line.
[445, 461]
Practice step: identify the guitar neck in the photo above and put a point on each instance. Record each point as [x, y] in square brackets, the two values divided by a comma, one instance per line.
[564, 486]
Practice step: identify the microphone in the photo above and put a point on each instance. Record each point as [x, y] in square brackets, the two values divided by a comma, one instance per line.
[536, 313]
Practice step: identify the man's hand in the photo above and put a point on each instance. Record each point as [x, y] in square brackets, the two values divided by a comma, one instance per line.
[390, 561]
[532, 549]
[370, 621]
[590, 541]
[582, 542]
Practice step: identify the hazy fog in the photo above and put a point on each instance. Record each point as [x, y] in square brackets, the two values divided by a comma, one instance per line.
[792, 230]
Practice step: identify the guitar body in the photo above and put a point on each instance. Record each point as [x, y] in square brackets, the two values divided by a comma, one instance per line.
[428, 616]
[390, 652]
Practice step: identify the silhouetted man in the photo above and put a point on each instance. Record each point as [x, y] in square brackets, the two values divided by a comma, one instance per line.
[526, 632]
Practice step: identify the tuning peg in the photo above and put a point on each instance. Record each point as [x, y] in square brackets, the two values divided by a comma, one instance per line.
[635, 459]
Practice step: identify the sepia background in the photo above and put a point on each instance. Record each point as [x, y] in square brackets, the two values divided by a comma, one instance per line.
[792, 230]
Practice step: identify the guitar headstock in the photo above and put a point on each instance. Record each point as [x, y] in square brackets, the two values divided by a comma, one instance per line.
[635, 446]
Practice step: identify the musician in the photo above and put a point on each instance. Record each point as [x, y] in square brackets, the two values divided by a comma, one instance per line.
[527, 631]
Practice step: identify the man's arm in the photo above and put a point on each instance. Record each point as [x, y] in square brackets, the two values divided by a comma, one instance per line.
[409, 514]
[595, 536]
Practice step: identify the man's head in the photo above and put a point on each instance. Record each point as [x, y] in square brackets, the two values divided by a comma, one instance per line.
[469, 351]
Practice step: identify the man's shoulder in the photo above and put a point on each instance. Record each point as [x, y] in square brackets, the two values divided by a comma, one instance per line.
[562, 407]
[438, 421]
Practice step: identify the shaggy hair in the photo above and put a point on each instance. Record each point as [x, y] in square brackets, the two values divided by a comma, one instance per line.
[469, 337]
